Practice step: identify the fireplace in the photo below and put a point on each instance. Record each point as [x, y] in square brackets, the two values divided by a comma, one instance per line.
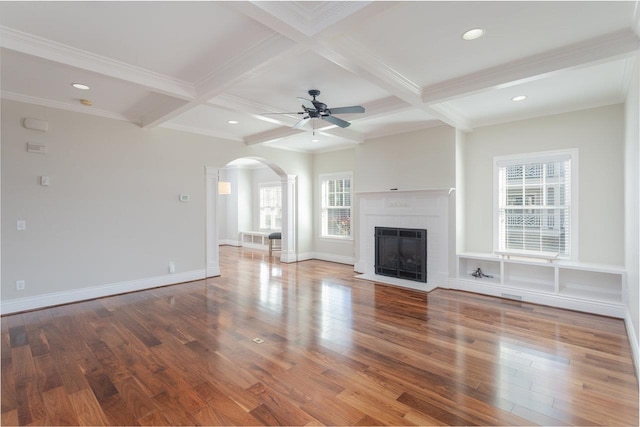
[401, 253]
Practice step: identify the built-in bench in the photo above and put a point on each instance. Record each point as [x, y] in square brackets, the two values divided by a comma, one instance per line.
[259, 240]
[255, 239]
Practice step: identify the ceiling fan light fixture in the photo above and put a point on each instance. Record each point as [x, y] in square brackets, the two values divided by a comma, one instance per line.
[472, 34]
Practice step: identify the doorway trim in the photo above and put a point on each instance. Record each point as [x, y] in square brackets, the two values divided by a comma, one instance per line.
[289, 251]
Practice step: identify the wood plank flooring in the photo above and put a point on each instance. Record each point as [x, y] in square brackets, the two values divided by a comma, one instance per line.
[336, 351]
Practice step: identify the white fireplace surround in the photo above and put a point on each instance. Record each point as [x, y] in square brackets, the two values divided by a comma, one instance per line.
[424, 209]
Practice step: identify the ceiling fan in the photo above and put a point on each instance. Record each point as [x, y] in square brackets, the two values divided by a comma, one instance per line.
[314, 109]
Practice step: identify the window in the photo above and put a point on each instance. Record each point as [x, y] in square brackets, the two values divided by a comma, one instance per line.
[535, 212]
[336, 205]
[270, 206]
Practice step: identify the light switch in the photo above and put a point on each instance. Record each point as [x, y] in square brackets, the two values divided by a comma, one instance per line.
[44, 180]
[21, 225]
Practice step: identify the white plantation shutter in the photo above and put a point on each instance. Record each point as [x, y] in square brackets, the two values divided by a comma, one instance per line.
[336, 205]
[534, 204]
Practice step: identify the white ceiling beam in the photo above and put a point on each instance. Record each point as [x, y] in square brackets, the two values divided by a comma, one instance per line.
[268, 19]
[63, 54]
[271, 135]
[618, 44]
[354, 57]
[234, 71]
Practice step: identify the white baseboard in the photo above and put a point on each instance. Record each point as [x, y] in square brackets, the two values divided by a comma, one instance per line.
[65, 297]
[542, 298]
[633, 342]
[230, 242]
[340, 259]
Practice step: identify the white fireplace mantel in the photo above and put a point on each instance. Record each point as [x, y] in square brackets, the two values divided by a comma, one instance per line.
[411, 208]
[444, 191]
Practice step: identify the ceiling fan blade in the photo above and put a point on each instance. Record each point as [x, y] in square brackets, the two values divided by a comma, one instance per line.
[301, 122]
[336, 121]
[347, 110]
[307, 103]
[297, 112]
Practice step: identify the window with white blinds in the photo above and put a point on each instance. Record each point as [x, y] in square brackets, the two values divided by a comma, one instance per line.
[271, 207]
[336, 205]
[535, 203]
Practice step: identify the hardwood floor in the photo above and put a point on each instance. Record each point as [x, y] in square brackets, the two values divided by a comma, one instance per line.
[336, 351]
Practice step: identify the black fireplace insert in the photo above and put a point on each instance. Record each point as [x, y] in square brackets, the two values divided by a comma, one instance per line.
[401, 253]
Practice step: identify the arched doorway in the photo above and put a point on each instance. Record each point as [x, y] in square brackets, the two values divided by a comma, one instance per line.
[289, 191]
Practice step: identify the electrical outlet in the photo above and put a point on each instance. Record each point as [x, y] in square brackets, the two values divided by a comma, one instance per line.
[21, 225]
[20, 285]
[172, 267]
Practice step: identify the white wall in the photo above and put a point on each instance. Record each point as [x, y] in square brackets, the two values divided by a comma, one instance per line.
[597, 134]
[422, 159]
[632, 205]
[111, 214]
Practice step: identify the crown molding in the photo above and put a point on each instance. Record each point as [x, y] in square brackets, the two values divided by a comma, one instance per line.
[528, 115]
[404, 128]
[630, 65]
[449, 115]
[63, 106]
[341, 133]
[64, 54]
[199, 131]
[618, 44]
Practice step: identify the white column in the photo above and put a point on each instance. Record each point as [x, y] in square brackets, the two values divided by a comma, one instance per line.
[289, 249]
[213, 256]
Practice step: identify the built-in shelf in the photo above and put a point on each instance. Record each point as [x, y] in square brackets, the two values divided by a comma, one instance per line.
[255, 239]
[578, 286]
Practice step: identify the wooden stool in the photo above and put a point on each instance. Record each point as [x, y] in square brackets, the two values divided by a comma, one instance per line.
[272, 237]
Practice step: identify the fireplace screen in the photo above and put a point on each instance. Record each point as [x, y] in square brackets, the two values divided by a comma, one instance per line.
[401, 253]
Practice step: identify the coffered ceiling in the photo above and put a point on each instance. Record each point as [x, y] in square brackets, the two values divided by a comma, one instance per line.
[195, 66]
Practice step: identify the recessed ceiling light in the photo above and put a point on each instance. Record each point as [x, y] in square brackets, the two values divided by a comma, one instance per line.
[233, 122]
[315, 140]
[80, 86]
[473, 34]
[519, 98]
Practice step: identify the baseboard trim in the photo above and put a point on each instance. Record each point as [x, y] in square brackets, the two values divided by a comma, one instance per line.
[230, 242]
[633, 342]
[340, 259]
[76, 295]
[552, 300]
